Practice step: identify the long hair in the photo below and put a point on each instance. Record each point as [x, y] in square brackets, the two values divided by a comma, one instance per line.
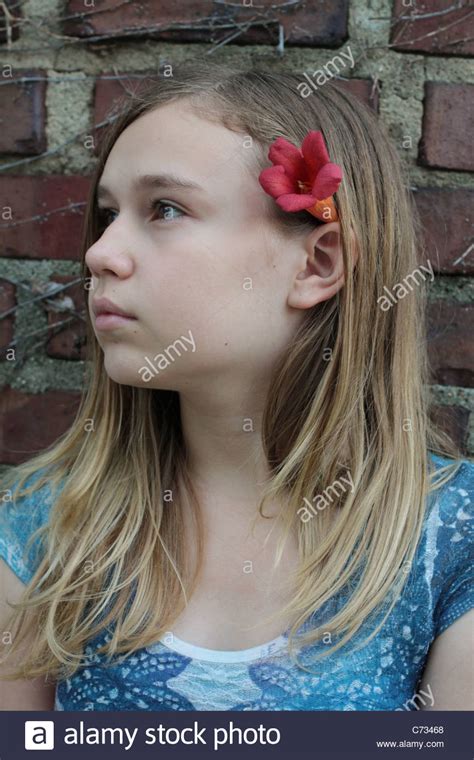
[349, 395]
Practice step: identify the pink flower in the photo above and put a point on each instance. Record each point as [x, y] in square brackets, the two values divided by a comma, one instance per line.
[302, 179]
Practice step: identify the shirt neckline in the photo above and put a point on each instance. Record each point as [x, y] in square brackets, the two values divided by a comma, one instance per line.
[222, 655]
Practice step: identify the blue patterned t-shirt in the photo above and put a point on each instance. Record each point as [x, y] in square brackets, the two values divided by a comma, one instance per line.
[382, 675]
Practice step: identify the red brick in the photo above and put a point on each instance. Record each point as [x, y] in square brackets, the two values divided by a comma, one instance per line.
[30, 423]
[448, 32]
[448, 125]
[23, 114]
[362, 89]
[447, 218]
[454, 420]
[7, 301]
[67, 342]
[315, 22]
[10, 30]
[111, 95]
[450, 331]
[55, 236]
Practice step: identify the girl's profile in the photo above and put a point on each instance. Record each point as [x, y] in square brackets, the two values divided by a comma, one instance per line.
[253, 509]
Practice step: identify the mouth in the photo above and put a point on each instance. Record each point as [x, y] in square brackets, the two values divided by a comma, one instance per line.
[109, 316]
[107, 320]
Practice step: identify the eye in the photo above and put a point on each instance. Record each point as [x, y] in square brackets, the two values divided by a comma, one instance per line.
[165, 210]
[103, 218]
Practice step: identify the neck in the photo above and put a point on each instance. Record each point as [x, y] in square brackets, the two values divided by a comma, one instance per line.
[226, 460]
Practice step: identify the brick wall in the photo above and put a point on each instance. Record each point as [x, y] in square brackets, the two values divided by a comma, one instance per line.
[65, 69]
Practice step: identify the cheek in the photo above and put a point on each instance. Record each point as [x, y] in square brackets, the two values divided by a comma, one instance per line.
[186, 284]
[227, 295]
[180, 299]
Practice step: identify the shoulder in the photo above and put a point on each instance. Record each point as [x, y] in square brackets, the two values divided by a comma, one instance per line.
[447, 546]
[21, 516]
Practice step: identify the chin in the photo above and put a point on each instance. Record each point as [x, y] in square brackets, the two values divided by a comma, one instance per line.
[120, 371]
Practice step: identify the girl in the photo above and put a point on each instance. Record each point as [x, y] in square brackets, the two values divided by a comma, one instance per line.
[252, 510]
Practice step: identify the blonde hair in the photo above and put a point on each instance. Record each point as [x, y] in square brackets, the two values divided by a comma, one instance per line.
[110, 528]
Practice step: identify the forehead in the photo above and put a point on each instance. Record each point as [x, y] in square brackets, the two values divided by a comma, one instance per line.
[174, 139]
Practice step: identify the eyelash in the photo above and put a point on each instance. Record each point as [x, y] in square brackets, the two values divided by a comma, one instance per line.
[152, 206]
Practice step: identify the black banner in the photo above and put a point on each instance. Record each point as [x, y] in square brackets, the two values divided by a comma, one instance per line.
[326, 735]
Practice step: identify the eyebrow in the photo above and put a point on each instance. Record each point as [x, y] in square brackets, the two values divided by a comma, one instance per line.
[149, 181]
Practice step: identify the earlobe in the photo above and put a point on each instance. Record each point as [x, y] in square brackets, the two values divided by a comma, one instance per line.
[322, 273]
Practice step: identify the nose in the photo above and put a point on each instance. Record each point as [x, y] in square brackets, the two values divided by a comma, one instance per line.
[109, 255]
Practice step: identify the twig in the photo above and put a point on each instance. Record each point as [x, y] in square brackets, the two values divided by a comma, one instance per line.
[458, 261]
[43, 217]
[43, 329]
[281, 40]
[206, 23]
[421, 16]
[59, 148]
[94, 12]
[50, 294]
[432, 33]
[243, 28]
[9, 17]
[23, 80]
[283, 6]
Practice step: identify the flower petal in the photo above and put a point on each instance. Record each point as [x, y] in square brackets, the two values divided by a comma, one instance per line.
[325, 210]
[327, 181]
[275, 181]
[295, 202]
[289, 156]
[314, 151]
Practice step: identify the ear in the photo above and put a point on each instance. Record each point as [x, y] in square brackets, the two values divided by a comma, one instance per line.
[321, 272]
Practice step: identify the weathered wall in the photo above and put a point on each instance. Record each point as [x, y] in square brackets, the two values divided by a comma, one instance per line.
[418, 72]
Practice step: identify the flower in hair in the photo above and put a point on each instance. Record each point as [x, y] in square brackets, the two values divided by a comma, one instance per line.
[303, 179]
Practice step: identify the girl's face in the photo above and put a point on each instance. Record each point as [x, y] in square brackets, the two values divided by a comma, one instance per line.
[188, 248]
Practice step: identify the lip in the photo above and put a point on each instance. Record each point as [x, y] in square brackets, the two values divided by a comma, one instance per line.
[105, 306]
[111, 321]
[109, 316]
